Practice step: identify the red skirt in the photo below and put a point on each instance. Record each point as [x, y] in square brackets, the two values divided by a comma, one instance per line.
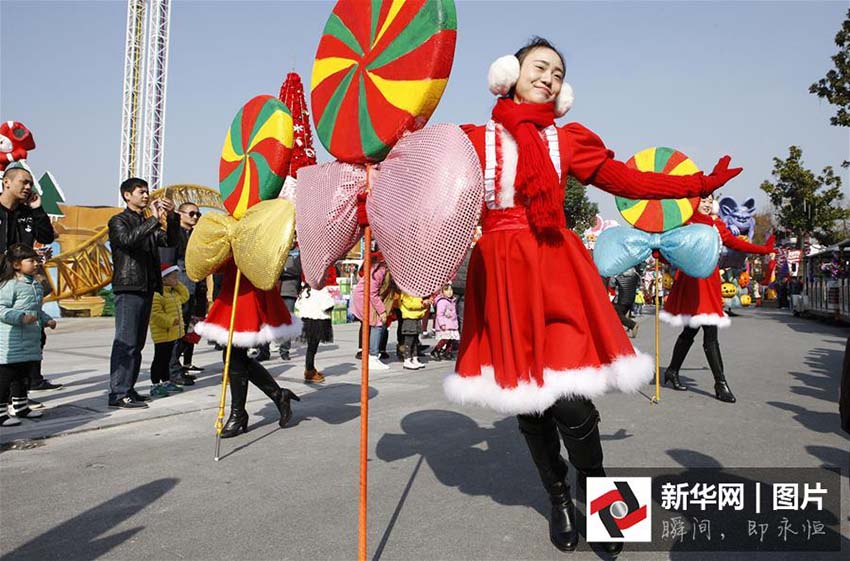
[694, 302]
[261, 315]
[538, 326]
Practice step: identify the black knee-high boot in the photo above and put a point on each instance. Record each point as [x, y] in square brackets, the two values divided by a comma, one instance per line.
[680, 351]
[541, 435]
[238, 420]
[281, 397]
[715, 362]
[584, 447]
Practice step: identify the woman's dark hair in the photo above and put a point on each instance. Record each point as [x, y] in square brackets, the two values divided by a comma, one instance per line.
[305, 287]
[534, 43]
[14, 254]
[538, 42]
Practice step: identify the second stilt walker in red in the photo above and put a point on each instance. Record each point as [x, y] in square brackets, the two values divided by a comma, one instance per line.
[697, 303]
[540, 337]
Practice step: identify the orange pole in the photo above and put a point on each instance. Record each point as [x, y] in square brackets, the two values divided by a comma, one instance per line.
[364, 385]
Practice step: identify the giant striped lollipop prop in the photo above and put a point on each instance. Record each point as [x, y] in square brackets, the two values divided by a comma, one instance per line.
[379, 72]
[255, 156]
[663, 215]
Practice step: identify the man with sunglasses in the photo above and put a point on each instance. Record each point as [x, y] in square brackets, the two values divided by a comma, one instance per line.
[184, 220]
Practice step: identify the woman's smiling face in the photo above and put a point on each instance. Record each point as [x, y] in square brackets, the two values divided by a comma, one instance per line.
[541, 75]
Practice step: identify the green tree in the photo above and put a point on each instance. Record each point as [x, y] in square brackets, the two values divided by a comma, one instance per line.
[806, 204]
[835, 87]
[580, 212]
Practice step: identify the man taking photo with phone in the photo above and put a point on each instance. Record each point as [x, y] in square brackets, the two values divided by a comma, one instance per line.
[136, 275]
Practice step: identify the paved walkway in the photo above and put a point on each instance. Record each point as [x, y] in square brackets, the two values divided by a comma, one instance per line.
[87, 482]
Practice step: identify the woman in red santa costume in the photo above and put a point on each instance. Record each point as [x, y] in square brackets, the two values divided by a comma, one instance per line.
[540, 337]
[261, 317]
[696, 303]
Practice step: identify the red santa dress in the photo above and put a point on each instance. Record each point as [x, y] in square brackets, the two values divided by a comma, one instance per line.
[261, 315]
[538, 325]
[694, 302]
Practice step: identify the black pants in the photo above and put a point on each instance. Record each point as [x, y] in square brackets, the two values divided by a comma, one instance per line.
[576, 422]
[14, 379]
[161, 365]
[186, 351]
[35, 376]
[312, 349]
[623, 312]
[411, 346]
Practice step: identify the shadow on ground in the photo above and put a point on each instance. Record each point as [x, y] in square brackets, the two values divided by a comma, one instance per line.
[79, 538]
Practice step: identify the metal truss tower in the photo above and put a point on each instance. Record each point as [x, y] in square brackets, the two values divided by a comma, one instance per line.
[143, 124]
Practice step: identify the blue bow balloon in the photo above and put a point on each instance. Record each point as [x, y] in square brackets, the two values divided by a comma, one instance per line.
[694, 249]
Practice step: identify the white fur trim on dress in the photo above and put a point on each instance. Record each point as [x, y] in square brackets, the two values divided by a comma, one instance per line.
[503, 74]
[625, 374]
[248, 339]
[695, 321]
[510, 156]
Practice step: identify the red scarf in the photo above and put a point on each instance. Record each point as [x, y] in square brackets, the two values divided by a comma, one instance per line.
[537, 181]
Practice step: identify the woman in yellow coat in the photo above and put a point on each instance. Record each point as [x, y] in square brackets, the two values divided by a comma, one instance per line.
[166, 329]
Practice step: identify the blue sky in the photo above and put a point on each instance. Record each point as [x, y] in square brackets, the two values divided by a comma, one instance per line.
[708, 78]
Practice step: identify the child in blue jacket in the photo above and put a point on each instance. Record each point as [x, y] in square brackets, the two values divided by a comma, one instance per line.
[21, 322]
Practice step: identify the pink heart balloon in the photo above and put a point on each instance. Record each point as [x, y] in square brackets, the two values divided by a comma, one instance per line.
[326, 215]
[424, 205]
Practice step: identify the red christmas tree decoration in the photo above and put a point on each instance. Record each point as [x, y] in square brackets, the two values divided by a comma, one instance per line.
[292, 94]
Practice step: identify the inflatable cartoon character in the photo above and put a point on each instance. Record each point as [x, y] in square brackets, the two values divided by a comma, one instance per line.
[15, 141]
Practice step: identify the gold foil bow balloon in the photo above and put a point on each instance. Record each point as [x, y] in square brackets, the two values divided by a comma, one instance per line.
[259, 242]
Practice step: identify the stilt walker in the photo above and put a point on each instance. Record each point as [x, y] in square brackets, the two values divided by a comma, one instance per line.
[249, 248]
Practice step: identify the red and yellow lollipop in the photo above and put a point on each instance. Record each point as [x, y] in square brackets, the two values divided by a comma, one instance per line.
[380, 70]
[255, 156]
[666, 214]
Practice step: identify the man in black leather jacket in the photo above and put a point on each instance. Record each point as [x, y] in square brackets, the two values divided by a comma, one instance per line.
[134, 241]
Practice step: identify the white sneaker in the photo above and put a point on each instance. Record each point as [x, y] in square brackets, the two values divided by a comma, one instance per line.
[416, 363]
[376, 364]
[409, 364]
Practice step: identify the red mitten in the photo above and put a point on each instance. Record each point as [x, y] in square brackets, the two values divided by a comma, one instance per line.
[720, 175]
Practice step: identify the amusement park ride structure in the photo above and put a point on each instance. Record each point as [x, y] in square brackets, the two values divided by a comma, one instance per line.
[143, 116]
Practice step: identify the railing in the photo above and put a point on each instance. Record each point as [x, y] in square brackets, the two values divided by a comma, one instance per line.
[88, 267]
[828, 297]
[83, 270]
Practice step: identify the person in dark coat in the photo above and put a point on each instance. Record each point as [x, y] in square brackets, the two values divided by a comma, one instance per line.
[23, 220]
[136, 275]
